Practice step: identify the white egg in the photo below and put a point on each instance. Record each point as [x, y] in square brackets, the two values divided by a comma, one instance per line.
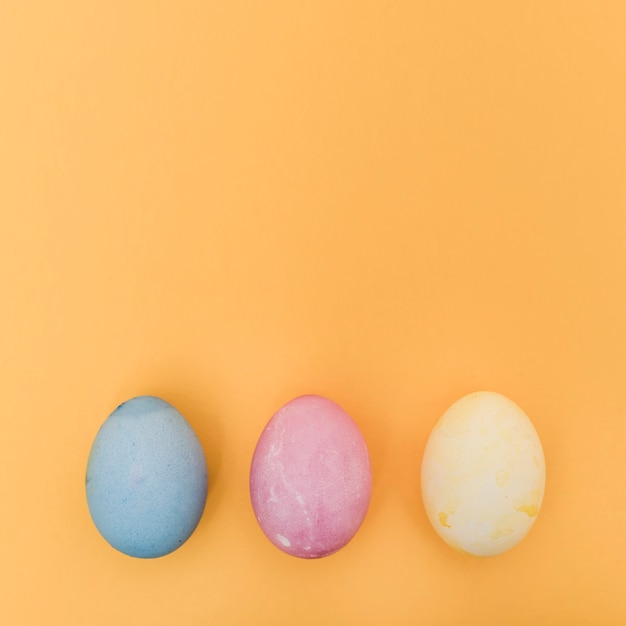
[483, 474]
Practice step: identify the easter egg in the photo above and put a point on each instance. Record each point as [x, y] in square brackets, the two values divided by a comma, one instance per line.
[146, 478]
[483, 474]
[310, 478]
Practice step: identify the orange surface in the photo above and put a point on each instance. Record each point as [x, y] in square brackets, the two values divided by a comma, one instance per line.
[228, 204]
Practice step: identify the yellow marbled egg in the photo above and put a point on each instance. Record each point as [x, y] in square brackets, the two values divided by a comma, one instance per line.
[483, 474]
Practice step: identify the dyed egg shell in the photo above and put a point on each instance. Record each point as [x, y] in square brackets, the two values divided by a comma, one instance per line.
[146, 478]
[310, 479]
[483, 474]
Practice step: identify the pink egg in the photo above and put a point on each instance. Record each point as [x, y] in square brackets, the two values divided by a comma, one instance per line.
[310, 480]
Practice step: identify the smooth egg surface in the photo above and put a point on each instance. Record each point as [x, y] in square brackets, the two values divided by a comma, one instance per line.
[146, 479]
[483, 474]
[310, 478]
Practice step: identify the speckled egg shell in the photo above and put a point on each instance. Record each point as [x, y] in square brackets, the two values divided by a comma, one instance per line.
[310, 479]
[483, 474]
[146, 478]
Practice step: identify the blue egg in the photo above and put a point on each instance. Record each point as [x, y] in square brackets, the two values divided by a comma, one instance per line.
[147, 478]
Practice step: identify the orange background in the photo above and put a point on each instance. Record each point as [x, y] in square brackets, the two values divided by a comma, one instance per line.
[228, 204]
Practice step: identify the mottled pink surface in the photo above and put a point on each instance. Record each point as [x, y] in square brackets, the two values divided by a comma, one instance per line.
[310, 480]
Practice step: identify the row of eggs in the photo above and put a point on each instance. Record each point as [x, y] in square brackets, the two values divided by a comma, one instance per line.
[482, 477]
